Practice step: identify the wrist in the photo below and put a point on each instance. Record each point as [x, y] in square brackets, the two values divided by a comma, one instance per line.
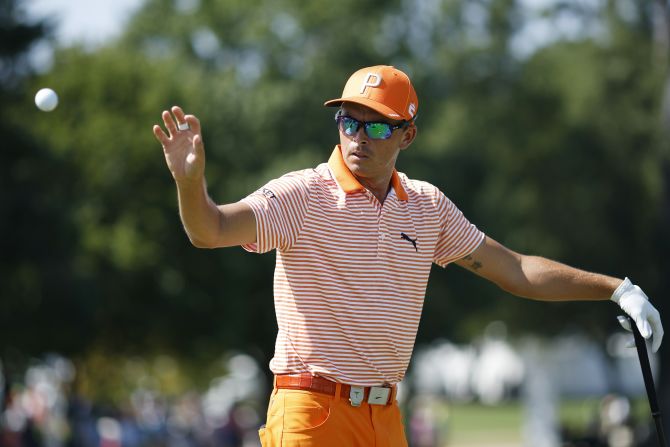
[625, 287]
[190, 183]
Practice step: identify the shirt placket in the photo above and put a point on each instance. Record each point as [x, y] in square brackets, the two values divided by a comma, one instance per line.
[382, 224]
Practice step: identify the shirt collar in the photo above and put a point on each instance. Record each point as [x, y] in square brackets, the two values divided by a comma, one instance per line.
[350, 184]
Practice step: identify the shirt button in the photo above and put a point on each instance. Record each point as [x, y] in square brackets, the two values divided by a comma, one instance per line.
[383, 236]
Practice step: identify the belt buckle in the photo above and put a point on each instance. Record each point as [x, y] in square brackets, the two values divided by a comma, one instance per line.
[379, 395]
[356, 395]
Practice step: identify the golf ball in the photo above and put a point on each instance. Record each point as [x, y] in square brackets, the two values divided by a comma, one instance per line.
[46, 99]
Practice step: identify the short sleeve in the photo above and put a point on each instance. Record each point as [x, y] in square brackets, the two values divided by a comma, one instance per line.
[280, 207]
[458, 237]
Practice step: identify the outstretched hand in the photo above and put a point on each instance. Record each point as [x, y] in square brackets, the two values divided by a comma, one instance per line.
[635, 303]
[182, 145]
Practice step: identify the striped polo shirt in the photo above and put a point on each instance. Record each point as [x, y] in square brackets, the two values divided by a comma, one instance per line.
[351, 274]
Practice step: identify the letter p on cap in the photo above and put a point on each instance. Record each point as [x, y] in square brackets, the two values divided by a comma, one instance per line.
[368, 81]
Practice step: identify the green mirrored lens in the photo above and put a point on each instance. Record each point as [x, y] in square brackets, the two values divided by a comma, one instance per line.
[378, 130]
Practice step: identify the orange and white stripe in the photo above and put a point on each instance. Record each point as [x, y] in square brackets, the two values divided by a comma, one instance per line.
[348, 287]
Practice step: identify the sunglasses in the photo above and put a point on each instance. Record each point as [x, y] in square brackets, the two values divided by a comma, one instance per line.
[375, 130]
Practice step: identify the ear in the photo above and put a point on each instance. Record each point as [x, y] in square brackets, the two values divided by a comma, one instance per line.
[408, 137]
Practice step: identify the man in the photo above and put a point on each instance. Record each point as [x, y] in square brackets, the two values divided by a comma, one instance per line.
[355, 240]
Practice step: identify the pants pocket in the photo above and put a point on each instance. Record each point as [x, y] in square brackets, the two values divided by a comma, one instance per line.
[305, 411]
[261, 436]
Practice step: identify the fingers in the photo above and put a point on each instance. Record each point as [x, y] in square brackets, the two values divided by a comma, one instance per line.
[636, 304]
[651, 327]
[624, 322]
[169, 123]
[175, 121]
[642, 325]
[193, 122]
[650, 324]
[160, 135]
[179, 116]
[657, 327]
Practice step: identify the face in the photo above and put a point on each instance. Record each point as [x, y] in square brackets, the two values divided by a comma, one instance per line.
[369, 158]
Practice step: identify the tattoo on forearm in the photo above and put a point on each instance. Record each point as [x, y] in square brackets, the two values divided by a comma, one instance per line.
[473, 263]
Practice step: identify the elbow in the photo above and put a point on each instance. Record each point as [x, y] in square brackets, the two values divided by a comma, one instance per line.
[516, 282]
[517, 287]
[510, 285]
[199, 243]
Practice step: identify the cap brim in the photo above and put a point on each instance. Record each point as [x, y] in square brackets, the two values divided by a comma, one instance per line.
[374, 105]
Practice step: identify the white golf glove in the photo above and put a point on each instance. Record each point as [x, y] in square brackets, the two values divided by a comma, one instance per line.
[635, 303]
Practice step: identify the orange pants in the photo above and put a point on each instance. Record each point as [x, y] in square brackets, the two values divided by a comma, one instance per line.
[298, 418]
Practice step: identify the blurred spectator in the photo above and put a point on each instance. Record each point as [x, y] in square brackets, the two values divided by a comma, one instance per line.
[424, 422]
[46, 410]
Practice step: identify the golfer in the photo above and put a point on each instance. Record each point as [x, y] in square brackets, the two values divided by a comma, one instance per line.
[354, 241]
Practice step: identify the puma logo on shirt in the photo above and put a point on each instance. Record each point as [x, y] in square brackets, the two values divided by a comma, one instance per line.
[407, 238]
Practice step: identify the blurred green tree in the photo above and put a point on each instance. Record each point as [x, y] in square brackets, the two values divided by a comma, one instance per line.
[556, 154]
[35, 233]
[556, 151]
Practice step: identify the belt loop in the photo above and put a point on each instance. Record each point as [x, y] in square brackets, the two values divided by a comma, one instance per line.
[338, 392]
[275, 390]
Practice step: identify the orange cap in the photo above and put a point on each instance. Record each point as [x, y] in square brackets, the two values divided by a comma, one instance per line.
[384, 89]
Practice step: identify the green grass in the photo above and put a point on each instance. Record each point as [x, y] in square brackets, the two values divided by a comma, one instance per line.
[577, 414]
[477, 425]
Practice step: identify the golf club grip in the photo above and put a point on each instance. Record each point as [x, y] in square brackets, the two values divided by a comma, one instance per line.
[641, 346]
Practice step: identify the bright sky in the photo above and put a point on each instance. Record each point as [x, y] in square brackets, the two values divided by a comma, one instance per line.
[93, 22]
[88, 21]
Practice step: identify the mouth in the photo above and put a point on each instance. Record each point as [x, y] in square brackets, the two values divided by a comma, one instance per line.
[359, 154]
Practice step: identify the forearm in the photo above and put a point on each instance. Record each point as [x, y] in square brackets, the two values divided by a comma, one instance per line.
[536, 277]
[544, 279]
[199, 214]
[207, 225]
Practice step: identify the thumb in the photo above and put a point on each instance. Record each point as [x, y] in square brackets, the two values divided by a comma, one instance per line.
[198, 151]
[195, 159]
[643, 326]
[198, 146]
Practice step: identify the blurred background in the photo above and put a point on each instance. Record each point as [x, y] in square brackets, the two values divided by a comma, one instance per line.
[545, 121]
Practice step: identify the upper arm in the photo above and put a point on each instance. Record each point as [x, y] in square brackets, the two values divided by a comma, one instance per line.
[495, 262]
[280, 209]
[237, 225]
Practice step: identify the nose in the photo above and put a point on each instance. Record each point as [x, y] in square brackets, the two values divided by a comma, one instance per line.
[360, 136]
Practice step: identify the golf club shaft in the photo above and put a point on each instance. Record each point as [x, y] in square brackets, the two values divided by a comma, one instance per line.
[641, 346]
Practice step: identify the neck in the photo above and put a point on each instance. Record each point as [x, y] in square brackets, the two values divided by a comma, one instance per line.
[379, 188]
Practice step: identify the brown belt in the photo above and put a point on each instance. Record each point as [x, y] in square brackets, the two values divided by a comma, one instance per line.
[318, 384]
